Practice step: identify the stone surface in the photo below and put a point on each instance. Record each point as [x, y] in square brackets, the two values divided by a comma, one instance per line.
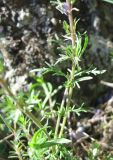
[27, 26]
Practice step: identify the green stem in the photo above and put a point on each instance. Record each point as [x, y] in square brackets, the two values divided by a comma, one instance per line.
[59, 115]
[73, 37]
[63, 125]
[71, 23]
[19, 156]
[68, 103]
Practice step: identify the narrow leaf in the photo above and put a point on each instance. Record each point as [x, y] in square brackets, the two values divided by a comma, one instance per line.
[84, 79]
[85, 44]
[109, 1]
[51, 143]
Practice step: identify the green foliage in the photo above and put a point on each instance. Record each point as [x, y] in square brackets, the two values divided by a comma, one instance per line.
[94, 151]
[38, 139]
[39, 144]
[37, 119]
[1, 66]
[40, 147]
[109, 1]
[79, 110]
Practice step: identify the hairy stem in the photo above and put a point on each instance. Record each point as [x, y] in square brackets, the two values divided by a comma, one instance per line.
[73, 39]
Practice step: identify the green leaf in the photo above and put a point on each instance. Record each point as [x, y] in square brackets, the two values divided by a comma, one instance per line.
[51, 68]
[62, 58]
[79, 44]
[96, 72]
[66, 27]
[68, 50]
[109, 1]
[73, 1]
[50, 143]
[79, 48]
[1, 66]
[39, 137]
[79, 109]
[84, 78]
[89, 71]
[85, 44]
[6, 123]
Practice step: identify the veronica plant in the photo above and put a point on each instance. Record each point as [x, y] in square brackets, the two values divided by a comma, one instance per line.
[72, 48]
[41, 106]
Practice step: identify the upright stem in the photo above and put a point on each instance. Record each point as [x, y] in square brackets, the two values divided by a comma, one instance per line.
[68, 104]
[59, 115]
[73, 38]
[68, 91]
[71, 23]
